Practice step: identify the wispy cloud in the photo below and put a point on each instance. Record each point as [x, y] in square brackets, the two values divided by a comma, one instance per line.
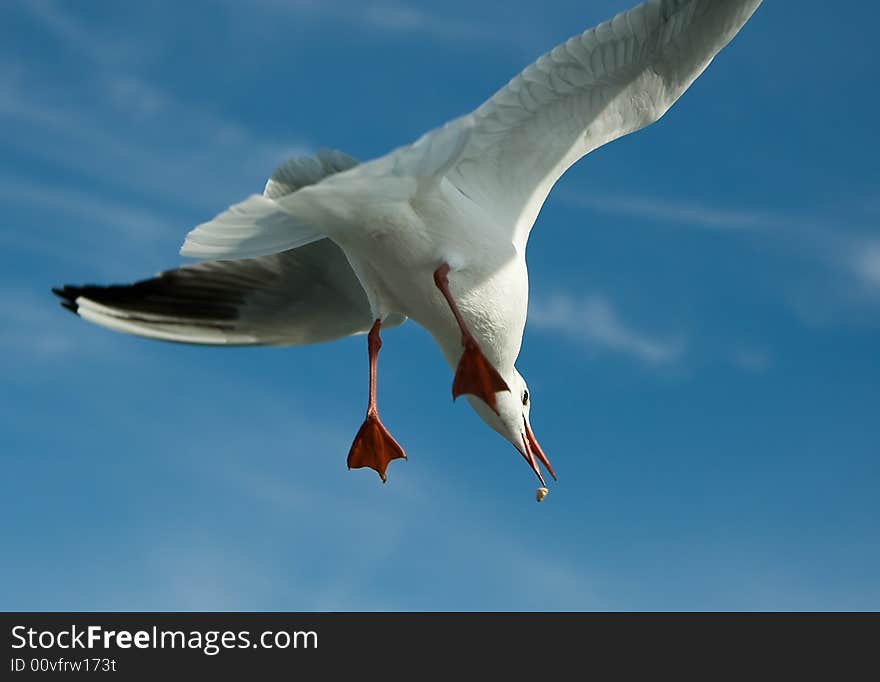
[400, 18]
[501, 561]
[390, 18]
[866, 263]
[133, 95]
[752, 360]
[680, 212]
[64, 27]
[192, 572]
[179, 152]
[100, 48]
[594, 321]
[113, 124]
[848, 261]
[34, 333]
[132, 222]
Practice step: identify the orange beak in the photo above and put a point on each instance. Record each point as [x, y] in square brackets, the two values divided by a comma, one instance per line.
[531, 449]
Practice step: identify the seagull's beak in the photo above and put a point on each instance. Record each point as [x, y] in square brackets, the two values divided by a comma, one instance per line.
[530, 450]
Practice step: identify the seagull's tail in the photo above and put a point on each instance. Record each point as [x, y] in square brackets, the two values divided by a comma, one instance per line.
[260, 225]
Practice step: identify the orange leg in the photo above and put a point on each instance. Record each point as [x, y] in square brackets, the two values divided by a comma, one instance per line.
[475, 375]
[373, 445]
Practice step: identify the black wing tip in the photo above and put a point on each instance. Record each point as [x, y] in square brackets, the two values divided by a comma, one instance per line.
[68, 294]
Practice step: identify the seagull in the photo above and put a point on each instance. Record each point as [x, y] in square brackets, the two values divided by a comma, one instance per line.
[434, 231]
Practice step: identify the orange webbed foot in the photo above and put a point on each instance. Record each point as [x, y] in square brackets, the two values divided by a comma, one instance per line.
[476, 375]
[374, 447]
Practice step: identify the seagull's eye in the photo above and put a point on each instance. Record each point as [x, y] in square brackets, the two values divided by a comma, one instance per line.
[525, 398]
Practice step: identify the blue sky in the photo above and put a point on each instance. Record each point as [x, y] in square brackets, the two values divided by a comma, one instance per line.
[702, 348]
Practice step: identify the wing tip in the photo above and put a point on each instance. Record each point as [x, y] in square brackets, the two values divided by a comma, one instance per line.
[68, 295]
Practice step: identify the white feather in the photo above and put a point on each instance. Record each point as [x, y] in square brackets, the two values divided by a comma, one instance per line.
[258, 226]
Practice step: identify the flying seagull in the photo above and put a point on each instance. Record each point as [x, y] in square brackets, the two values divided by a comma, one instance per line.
[435, 231]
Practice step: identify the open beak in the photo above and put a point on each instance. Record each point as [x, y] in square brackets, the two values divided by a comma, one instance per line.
[531, 450]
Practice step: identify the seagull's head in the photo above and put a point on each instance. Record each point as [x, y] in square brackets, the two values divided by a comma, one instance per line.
[512, 421]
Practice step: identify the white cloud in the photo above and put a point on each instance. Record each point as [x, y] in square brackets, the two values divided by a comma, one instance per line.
[681, 212]
[131, 94]
[752, 360]
[35, 330]
[115, 125]
[150, 142]
[834, 243]
[132, 222]
[63, 26]
[192, 572]
[399, 18]
[395, 18]
[594, 321]
[503, 562]
[866, 263]
[100, 48]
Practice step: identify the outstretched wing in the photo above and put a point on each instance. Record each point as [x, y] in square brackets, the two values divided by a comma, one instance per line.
[304, 295]
[605, 83]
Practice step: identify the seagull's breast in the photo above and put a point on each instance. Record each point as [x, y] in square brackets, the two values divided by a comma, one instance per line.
[396, 247]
